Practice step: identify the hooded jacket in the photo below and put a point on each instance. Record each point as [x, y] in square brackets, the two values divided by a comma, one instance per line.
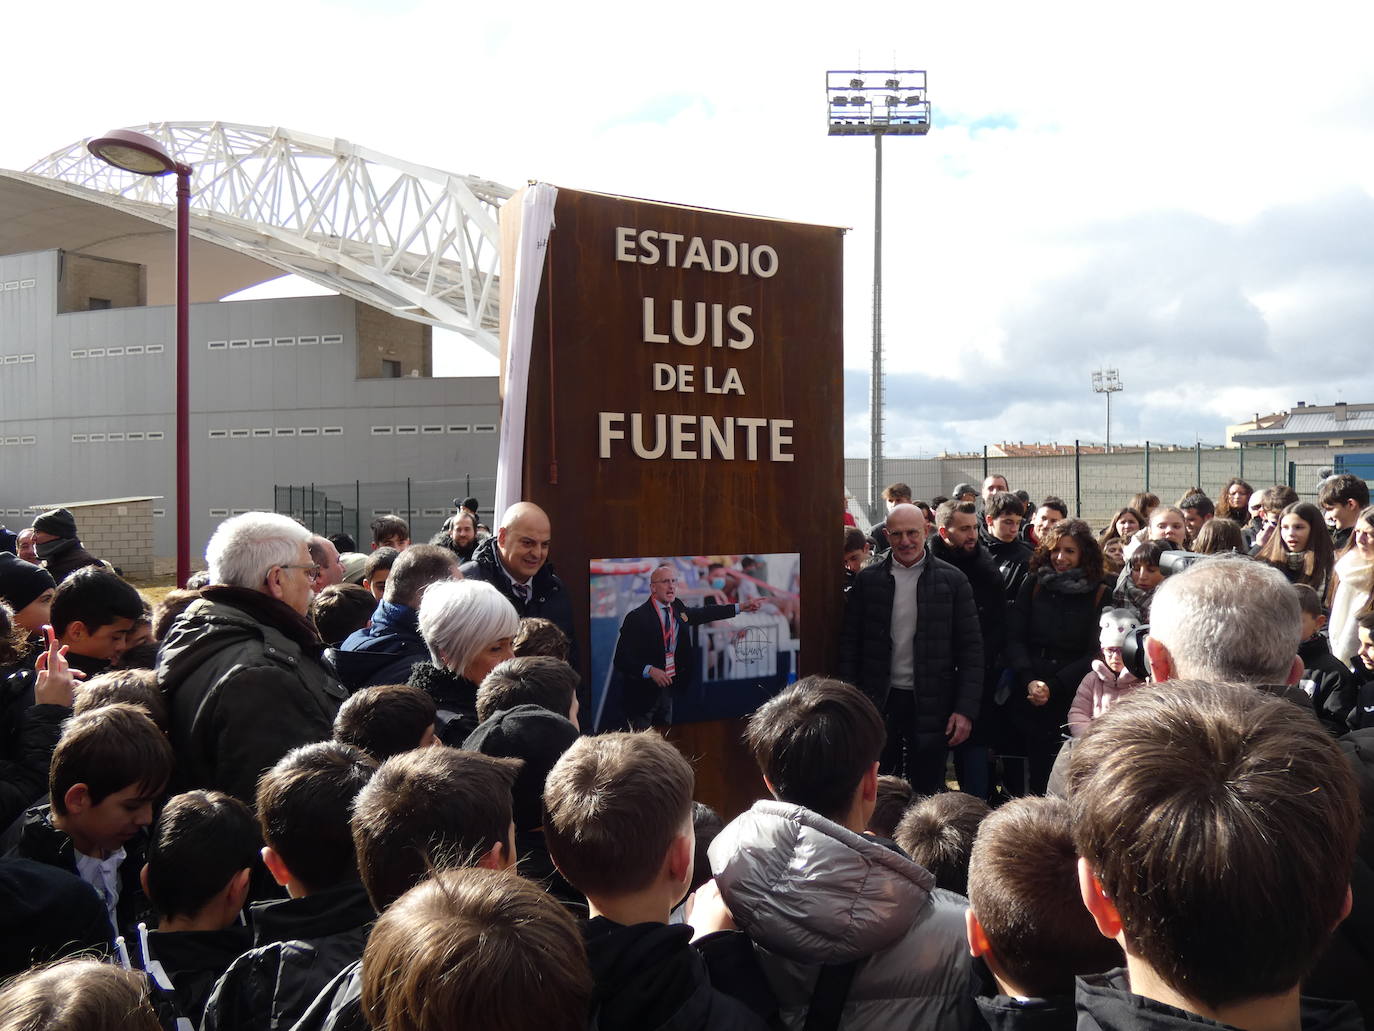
[189, 963]
[1099, 689]
[299, 947]
[649, 978]
[810, 893]
[245, 683]
[382, 652]
[1105, 1003]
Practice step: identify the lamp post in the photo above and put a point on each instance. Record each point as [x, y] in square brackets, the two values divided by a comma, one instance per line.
[877, 104]
[143, 155]
[1107, 381]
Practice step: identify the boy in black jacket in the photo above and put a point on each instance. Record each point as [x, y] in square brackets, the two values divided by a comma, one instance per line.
[200, 861]
[1333, 688]
[1025, 918]
[300, 943]
[109, 768]
[1216, 829]
[620, 829]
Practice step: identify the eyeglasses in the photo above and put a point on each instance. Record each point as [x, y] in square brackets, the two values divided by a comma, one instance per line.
[312, 573]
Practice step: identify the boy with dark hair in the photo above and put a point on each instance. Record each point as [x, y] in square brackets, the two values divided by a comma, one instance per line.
[540, 636]
[1025, 917]
[532, 680]
[1216, 831]
[1197, 509]
[620, 829]
[304, 805]
[423, 812]
[1050, 511]
[894, 796]
[1341, 499]
[200, 862]
[1003, 516]
[522, 965]
[814, 893]
[1324, 676]
[340, 610]
[377, 569]
[92, 613]
[135, 686]
[390, 531]
[538, 738]
[387, 720]
[110, 766]
[937, 832]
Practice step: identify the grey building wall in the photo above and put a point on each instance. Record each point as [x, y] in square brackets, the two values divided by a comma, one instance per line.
[87, 405]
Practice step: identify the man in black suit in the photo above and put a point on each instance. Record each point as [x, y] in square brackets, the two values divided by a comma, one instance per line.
[656, 653]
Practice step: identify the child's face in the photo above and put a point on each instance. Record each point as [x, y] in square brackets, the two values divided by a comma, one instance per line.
[1115, 661]
[1295, 532]
[105, 826]
[1147, 578]
[1167, 524]
[1126, 525]
[1366, 652]
[107, 642]
[1311, 625]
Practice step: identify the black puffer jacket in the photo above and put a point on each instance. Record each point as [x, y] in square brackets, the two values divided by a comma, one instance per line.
[1012, 559]
[28, 735]
[549, 598]
[948, 645]
[301, 945]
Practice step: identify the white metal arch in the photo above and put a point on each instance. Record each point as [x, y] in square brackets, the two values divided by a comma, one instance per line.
[418, 241]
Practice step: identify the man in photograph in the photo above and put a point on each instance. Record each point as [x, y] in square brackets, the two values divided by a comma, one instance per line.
[656, 653]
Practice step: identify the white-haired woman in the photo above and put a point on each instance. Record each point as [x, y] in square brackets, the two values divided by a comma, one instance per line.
[468, 627]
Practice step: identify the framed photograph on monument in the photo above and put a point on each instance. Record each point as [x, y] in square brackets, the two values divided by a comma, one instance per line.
[689, 638]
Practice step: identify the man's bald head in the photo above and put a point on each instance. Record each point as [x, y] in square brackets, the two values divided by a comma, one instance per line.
[523, 540]
[1228, 618]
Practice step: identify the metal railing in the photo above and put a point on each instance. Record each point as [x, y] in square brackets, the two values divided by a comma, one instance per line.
[330, 508]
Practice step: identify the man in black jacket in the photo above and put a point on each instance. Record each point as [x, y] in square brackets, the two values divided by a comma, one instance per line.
[55, 541]
[956, 542]
[910, 640]
[515, 562]
[1001, 535]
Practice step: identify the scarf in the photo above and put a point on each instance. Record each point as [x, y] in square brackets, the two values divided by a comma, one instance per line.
[1352, 595]
[1072, 581]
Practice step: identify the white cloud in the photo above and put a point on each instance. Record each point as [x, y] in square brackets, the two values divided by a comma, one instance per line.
[1162, 187]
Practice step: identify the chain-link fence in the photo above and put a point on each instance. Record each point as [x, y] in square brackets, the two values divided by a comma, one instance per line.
[1093, 484]
[330, 508]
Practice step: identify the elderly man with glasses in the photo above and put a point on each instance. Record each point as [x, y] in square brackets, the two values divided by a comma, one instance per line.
[242, 668]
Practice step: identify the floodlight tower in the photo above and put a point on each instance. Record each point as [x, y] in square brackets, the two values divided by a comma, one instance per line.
[877, 104]
[1107, 381]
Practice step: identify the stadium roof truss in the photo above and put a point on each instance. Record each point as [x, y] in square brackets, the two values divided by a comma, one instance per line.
[416, 241]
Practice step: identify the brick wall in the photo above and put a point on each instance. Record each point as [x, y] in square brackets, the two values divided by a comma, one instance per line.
[121, 534]
[382, 335]
[122, 283]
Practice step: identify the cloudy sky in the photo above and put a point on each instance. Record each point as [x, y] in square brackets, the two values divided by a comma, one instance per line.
[1183, 191]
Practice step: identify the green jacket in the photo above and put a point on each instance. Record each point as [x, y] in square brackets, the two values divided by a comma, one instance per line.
[245, 682]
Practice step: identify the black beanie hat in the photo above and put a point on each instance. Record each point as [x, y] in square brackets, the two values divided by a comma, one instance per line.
[59, 522]
[21, 582]
[534, 734]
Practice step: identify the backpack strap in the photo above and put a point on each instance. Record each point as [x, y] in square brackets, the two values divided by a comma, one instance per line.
[829, 995]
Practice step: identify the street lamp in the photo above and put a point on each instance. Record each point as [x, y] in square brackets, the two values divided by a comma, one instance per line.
[877, 104]
[143, 155]
[1106, 381]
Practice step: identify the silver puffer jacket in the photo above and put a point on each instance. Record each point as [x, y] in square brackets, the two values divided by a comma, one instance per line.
[808, 892]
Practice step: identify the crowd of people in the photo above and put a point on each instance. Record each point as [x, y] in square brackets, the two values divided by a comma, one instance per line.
[326, 788]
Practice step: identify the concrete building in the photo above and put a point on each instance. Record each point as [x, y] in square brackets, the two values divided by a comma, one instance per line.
[308, 390]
